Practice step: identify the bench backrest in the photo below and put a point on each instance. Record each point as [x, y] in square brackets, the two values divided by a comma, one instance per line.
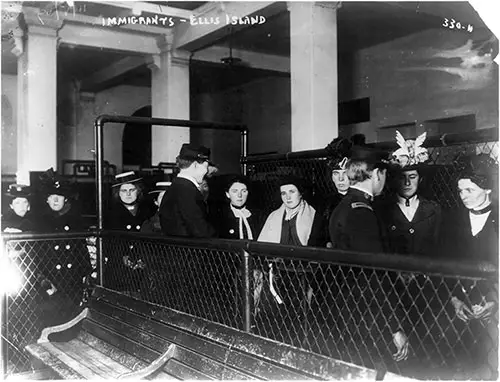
[203, 349]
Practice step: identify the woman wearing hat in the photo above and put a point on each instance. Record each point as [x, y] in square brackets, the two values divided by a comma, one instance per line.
[63, 215]
[128, 211]
[339, 151]
[472, 233]
[411, 221]
[65, 266]
[235, 220]
[18, 218]
[294, 223]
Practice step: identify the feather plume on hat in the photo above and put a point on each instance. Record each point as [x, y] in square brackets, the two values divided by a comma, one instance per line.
[410, 152]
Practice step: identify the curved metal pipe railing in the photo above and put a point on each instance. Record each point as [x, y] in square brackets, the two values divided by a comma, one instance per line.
[99, 148]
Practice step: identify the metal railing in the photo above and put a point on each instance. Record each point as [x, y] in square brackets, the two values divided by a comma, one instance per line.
[341, 304]
[46, 279]
[266, 170]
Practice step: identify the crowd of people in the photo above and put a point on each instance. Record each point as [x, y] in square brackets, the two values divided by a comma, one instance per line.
[364, 214]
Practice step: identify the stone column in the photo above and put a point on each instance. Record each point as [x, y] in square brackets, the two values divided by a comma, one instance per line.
[37, 89]
[313, 71]
[170, 99]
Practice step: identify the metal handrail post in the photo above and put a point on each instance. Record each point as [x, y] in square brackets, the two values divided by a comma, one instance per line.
[247, 291]
[99, 197]
[244, 151]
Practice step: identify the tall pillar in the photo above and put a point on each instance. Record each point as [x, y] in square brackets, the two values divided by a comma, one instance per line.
[313, 70]
[37, 101]
[170, 99]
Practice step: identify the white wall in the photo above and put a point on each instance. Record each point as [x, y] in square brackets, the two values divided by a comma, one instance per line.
[9, 124]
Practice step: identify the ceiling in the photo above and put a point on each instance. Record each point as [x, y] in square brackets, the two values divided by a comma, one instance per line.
[360, 25]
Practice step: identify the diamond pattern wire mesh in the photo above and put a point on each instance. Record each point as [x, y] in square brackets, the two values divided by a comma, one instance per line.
[341, 311]
[198, 281]
[350, 313]
[442, 173]
[52, 274]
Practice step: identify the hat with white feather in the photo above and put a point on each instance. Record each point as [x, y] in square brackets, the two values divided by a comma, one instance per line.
[410, 155]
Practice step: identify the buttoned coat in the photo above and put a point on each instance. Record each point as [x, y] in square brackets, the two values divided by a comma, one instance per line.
[65, 262]
[419, 236]
[354, 226]
[183, 211]
[458, 242]
[121, 219]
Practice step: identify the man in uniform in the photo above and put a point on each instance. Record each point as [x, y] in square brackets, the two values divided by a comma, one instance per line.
[353, 224]
[183, 211]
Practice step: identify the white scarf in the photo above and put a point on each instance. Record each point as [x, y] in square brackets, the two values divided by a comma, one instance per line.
[271, 232]
[243, 214]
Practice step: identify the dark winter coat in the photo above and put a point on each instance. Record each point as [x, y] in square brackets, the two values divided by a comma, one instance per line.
[420, 236]
[183, 211]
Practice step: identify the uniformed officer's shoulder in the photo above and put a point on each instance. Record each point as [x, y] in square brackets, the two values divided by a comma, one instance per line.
[356, 205]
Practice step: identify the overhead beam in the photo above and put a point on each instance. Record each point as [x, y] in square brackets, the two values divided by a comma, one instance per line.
[249, 59]
[201, 29]
[112, 71]
[107, 38]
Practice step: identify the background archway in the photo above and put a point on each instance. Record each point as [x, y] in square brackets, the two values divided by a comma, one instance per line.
[136, 142]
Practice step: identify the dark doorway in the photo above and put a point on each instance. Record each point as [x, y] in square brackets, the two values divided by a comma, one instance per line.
[137, 141]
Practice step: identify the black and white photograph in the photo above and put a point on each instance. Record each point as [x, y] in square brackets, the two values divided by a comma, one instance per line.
[236, 190]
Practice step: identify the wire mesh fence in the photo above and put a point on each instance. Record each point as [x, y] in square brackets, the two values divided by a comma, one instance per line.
[193, 279]
[357, 313]
[442, 171]
[46, 281]
[344, 305]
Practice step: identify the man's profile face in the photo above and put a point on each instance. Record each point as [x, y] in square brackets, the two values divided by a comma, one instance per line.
[201, 170]
[408, 183]
[379, 178]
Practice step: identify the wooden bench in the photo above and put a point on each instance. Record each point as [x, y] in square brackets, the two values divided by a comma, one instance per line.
[119, 337]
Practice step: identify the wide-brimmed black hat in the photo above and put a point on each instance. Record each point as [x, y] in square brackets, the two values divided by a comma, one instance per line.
[18, 191]
[481, 169]
[160, 187]
[195, 153]
[126, 178]
[52, 184]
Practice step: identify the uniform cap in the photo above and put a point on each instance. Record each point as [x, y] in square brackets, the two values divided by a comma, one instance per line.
[194, 153]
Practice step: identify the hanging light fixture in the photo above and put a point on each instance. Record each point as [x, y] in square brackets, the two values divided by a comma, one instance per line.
[230, 61]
